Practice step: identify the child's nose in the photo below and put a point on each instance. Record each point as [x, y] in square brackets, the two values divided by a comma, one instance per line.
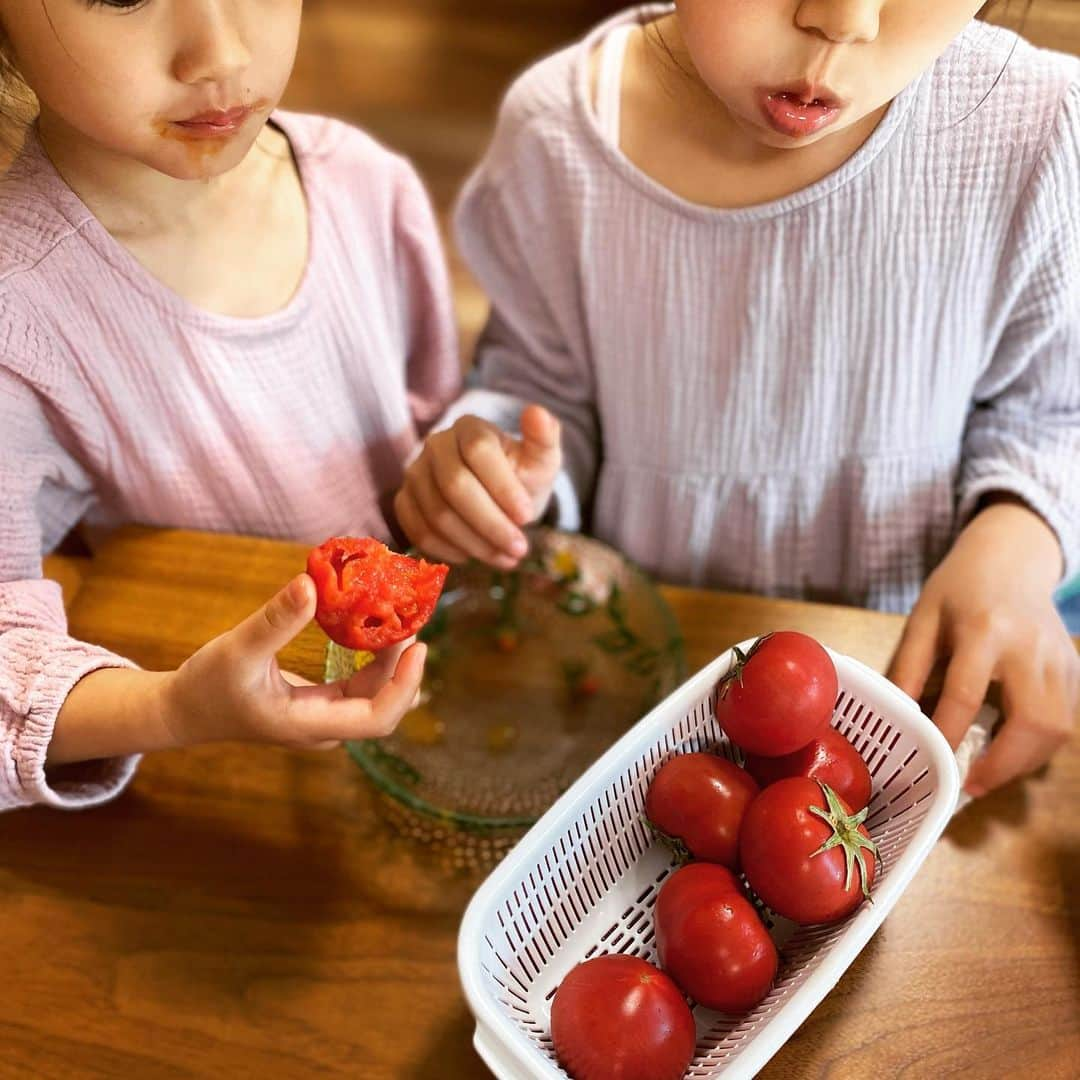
[844, 22]
[211, 44]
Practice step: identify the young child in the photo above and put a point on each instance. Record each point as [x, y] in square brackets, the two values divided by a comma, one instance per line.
[212, 315]
[800, 281]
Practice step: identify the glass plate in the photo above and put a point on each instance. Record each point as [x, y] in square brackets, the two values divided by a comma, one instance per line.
[530, 676]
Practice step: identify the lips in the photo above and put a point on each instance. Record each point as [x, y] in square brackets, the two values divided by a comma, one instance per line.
[215, 123]
[800, 110]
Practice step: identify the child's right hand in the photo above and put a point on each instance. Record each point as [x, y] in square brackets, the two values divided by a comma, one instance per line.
[232, 688]
[473, 487]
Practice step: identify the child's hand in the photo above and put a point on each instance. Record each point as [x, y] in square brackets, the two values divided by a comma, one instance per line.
[232, 688]
[473, 487]
[988, 607]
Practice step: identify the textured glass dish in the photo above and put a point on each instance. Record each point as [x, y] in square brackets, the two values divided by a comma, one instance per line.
[531, 675]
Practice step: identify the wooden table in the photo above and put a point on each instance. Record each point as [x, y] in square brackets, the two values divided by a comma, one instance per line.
[241, 912]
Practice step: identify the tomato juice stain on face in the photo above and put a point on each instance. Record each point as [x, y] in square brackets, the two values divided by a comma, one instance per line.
[207, 134]
[199, 148]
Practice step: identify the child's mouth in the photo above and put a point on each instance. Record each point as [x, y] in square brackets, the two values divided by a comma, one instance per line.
[215, 124]
[799, 112]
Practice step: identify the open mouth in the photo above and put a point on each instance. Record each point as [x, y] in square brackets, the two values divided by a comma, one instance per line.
[799, 112]
[800, 101]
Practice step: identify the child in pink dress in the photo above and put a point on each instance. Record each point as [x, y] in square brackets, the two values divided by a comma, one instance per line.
[214, 315]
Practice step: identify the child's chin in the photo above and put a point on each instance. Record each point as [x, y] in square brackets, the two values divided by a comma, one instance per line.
[202, 160]
[778, 141]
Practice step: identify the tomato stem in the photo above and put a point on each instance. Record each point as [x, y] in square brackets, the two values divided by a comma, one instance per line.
[846, 834]
[741, 660]
[678, 848]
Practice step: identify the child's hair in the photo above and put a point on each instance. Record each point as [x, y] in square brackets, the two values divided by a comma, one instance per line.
[18, 106]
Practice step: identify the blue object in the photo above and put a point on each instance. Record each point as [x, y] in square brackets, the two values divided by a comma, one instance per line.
[1068, 603]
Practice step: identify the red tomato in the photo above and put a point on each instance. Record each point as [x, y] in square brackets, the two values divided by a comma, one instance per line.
[711, 940]
[779, 695]
[805, 854]
[829, 758]
[620, 1018]
[369, 597]
[699, 800]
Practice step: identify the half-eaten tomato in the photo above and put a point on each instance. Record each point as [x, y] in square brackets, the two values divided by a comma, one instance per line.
[369, 597]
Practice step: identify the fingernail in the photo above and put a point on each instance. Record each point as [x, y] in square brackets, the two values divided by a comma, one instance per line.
[976, 791]
[519, 545]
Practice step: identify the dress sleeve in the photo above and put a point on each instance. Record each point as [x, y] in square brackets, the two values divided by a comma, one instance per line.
[42, 490]
[433, 369]
[1023, 433]
[534, 347]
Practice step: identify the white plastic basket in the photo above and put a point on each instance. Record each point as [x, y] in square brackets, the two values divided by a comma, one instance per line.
[583, 880]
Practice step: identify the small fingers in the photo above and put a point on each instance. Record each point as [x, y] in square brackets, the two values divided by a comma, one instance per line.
[420, 533]
[396, 698]
[540, 430]
[1017, 750]
[966, 681]
[370, 678]
[540, 452]
[1038, 720]
[916, 654]
[454, 522]
[326, 713]
[482, 449]
[464, 494]
[267, 631]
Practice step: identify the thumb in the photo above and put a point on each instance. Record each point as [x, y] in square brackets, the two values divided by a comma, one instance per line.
[540, 448]
[268, 630]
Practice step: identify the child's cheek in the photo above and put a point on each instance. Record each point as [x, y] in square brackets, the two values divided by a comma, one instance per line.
[98, 83]
[731, 44]
[732, 28]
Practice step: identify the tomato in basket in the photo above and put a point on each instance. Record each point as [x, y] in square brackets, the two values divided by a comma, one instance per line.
[697, 802]
[829, 758]
[805, 854]
[778, 695]
[710, 939]
[620, 1018]
[368, 596]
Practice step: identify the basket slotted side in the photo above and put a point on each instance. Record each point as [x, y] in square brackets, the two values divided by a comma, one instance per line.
[589, 889]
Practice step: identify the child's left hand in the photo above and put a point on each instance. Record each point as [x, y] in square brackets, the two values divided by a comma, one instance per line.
[988, 608]
[473, 487]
